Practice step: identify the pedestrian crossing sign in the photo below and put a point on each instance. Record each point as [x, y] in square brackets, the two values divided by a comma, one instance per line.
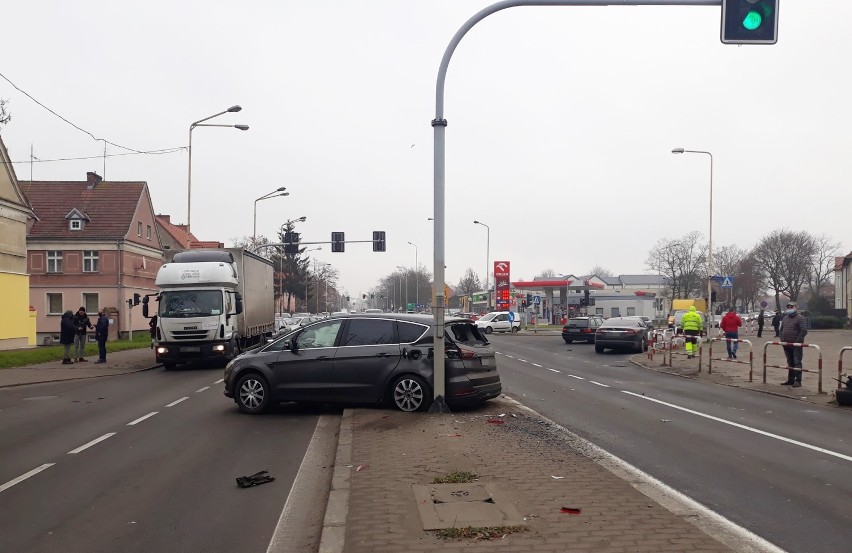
[728, 282]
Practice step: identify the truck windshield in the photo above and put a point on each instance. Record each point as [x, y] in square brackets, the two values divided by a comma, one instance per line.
[190, 303]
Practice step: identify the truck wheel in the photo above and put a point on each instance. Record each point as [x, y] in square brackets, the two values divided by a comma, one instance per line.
[253, 394]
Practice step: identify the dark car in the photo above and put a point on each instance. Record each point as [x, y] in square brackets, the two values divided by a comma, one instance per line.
[364, 358]
[581, 329]
[622, 333]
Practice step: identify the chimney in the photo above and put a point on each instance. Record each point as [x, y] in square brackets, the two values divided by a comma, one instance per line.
[92, 179]
[166, 218]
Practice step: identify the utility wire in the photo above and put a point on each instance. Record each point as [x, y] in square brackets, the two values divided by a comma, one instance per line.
[25, 93]
[152, 152]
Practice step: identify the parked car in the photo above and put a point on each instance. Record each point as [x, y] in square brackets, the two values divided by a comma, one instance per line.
[647, 321]
[499, 321]
[622, 333]
[365, 359]
[581, 329]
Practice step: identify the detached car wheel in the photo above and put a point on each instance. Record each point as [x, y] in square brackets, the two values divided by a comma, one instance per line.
[253, 394]
[410, 393]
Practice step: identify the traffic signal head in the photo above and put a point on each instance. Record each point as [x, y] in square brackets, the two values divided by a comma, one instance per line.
[363, 296]
[337, 242]
[749, 21]
[136, 299]
[378, 240]
[291, 242]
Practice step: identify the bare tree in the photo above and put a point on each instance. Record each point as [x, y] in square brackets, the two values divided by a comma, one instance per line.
[822, 263]
[5, 115]
[469, 283]
[728, 261]
[248, 243]
[683, 262]
[786, 258]
[547, 273]
[601, 271]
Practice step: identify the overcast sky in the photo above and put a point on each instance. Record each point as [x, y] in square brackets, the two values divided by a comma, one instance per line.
[561, 122]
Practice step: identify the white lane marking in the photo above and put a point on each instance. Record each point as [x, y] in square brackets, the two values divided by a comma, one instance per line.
[577, 377]
[744, 427]
[599, 384]
[734, 536]
[93, 442]
[522, 360]
[499, 352]
[140, 419]
[24, 476]
[554, 370]
[219, 381]
[202, 389]
[175, 402]
[536, 365]
[509, 356]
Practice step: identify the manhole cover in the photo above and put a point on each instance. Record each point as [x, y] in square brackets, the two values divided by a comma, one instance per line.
[459, 505]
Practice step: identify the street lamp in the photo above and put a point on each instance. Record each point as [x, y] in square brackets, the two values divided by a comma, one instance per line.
[487, 262]
[416, 278]
[403, 269]
[709, 239]
[200, 123]
[273, 194]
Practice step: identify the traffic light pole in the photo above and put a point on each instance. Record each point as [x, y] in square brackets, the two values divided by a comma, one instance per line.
[439, 125]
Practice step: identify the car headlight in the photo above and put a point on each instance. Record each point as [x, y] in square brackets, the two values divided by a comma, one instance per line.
[219, 347]
[161, 350]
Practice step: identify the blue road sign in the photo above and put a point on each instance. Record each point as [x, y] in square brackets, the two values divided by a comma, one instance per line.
[728, 282]
[536, 300]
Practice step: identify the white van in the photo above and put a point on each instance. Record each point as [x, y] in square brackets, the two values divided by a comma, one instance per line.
[373, 311]
[499, 321]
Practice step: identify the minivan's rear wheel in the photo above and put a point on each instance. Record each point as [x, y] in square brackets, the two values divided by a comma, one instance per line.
[515, 328]
[488, 330]
[410, 393]
[253, 394]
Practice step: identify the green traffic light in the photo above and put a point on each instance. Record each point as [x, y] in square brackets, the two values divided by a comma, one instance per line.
[753, 20]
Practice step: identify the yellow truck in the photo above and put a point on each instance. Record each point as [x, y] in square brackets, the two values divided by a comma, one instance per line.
[679, 307]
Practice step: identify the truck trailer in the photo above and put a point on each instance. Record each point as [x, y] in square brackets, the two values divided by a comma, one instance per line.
[211, 304]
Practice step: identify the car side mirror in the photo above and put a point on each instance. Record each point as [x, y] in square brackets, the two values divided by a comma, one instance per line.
[290, 345]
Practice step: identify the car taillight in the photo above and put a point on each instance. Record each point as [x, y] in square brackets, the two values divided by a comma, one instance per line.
[460, 352]
[588, 330]
[564, 329]
[467, 353]
[630, 331]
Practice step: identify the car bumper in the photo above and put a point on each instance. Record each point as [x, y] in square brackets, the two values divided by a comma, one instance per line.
[610, 343]
[172, 352]
[578, 336]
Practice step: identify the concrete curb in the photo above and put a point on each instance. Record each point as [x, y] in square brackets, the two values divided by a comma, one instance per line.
[333, 537]
[16, 384]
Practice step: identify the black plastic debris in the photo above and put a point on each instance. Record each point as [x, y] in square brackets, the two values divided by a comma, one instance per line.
[255, 479]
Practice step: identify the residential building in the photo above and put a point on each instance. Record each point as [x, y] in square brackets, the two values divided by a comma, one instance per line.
[94, 244]
[174, 237]
[17, 324]
[843, 284]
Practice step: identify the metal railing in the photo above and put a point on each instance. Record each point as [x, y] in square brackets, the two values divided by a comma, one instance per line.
[840, 365]
[795, 344]
[750, 361]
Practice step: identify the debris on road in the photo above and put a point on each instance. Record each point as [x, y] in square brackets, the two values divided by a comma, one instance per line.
[570, 510]
[255, 479]
[359, 468]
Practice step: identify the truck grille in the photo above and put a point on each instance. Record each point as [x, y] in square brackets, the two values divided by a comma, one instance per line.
[189, 334]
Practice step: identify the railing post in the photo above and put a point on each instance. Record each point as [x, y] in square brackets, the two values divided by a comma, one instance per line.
[710, 360]
[840, 365]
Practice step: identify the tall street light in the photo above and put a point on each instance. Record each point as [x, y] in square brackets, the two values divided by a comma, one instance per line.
[416, 278]
[709, 239]
[200, 123]
[487, 263]
[273, 194]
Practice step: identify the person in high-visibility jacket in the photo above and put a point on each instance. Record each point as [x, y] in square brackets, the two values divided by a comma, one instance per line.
[691, 324]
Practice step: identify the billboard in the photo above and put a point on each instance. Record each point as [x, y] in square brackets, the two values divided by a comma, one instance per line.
[502, 286]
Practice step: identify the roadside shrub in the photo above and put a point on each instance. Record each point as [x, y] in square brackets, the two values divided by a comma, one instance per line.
[828, 322]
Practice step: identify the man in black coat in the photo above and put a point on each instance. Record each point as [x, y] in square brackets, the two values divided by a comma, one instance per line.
[760, 324]
[101, 333]
[82, 322]
[776, 321]
[794, 328]
[67, 331]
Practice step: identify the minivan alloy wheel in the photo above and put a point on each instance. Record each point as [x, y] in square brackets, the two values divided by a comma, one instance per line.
[409, 393]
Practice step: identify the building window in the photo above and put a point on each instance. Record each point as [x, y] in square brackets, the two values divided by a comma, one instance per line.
[139, 229]
[54, 261]
[148, 232]
[90, 302]
[54, 304]
[90, 261]
[75, 224]
[598, 310]
[631, 311]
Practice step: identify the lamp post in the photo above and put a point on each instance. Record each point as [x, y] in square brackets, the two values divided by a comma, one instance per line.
[416, 278]
[200, 123]
[487, 263]
[273, 194]
[710, 312]
[401, 268]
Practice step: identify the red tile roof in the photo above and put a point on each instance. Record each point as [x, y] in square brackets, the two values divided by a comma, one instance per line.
[109, 206]
[177, 232]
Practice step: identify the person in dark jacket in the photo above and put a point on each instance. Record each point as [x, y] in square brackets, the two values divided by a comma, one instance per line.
[760, 319]
[82, 322]
[67, 331]
[776, 321]
[101, 332]
[794, 328]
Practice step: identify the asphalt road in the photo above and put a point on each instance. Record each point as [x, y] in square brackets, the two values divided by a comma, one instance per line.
[778, 467]
[165, 483]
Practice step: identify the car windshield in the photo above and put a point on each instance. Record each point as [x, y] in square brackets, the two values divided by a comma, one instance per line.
[488, 317]
[190, 303]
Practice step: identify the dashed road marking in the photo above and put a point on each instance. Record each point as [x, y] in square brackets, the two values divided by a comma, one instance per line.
[509, 356]
[175, 402]
[599, 384]
[522, 360]
[554, 370]
[744, 427]
[140, 419]
[536, 365]
[24, 476]
[93, 442]
[219, 381]
[202, 389]
[577, 377]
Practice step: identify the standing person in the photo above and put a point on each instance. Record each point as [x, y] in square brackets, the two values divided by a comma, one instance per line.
[730, 325]
[776, 321]
[760, 318]
[82, 322]
[67, 331]
[101, 332]
[793, 329]
[691, 324]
